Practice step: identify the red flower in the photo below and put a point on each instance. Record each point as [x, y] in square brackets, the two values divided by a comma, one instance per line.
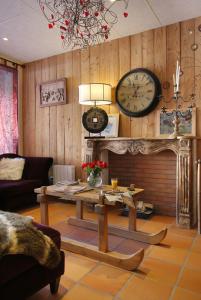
[50, 26]
[125, 14]
[104, 165]
[84, 165]
[92, 165]
[95, 166]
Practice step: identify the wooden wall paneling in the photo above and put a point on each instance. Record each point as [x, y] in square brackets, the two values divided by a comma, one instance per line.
[60, 137]
[160, 47]
[148, 122]
[45, 113]
[173, 53]
[76, 114]
[39, 110]
[104, 67]
[124, 67]
[108, 62]
[20, 109]
[187, 60]
[68, 109]
[84, 79]
[53, 111]
[136, 62]
[198, 75]
[30, 113]
[68, 133]
[94, 64]
[113, 55]
[25, 121]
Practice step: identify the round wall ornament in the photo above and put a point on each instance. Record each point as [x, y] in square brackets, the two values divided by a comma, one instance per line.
[95, 120]
[138, 92]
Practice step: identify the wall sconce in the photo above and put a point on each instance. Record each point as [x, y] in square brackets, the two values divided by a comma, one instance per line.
[95, 119]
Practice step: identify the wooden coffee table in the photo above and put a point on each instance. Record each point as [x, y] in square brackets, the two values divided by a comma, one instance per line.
[129, 262]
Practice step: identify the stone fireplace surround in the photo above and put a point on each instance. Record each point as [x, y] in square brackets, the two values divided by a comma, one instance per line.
[185, 149]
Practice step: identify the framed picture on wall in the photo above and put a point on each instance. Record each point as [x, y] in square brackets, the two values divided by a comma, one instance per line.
[187, 125]
[112, 127]
[53, 92]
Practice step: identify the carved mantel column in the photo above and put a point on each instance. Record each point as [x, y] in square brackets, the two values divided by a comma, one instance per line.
[185, 150]
[185, 181]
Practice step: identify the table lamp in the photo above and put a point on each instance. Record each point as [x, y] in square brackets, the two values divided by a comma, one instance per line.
[95, 119]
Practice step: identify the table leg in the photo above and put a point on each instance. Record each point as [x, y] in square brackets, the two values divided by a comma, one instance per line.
[42, 199]
[102, 212]
[79, 209]
[132, 219]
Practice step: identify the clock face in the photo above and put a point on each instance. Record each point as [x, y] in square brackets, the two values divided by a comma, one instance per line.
[138, 92]
[95, 120]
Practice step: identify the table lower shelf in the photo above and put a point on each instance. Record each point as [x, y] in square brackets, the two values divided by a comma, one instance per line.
[122, 252]
[128, 262]
[150, 238]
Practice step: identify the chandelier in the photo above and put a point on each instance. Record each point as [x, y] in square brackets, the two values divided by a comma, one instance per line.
[81, 23]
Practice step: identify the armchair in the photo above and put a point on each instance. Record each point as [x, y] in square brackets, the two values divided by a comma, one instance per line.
[21, 276]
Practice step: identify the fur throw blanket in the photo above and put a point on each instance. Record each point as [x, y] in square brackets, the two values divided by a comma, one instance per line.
[19, 236]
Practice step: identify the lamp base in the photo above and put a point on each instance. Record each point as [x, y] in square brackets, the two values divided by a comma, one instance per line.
[98, 136]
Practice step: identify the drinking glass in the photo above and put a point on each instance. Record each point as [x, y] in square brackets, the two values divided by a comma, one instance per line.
[114, 183]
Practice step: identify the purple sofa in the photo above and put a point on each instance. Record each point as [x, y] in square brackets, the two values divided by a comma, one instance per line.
[16, 194]
[21, 276]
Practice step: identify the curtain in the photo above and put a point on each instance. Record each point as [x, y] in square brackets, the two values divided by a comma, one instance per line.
[8, 110]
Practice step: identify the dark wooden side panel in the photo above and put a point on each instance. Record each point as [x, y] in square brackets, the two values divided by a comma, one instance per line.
[155, 173]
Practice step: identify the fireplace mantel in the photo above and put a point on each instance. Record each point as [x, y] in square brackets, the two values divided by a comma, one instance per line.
[185, 149]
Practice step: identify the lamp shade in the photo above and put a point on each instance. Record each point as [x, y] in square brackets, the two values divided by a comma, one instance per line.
[95, 94]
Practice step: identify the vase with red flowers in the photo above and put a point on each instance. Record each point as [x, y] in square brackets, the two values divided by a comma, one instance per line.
[93, 170]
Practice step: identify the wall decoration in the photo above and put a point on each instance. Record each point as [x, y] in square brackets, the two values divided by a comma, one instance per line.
[194, 47]
[186, 126]
[95, 120]
[138, 92]
[112, 127]
[53, 92]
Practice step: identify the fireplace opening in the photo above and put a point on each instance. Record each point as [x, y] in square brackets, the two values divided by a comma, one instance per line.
[155, 173]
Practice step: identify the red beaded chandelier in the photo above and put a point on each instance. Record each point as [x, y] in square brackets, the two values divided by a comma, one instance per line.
[81, 23]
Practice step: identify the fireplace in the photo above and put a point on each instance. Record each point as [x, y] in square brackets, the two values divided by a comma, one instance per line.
[155, 173]
[182, 156]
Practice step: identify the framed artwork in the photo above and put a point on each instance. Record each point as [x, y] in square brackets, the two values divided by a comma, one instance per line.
[53, 92]
[187, 125]
[112, 127]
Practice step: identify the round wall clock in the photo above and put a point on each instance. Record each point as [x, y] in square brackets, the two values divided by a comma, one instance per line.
[95, 120]
[138, 92]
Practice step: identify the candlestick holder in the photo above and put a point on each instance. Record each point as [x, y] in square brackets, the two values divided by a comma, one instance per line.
[177, 113]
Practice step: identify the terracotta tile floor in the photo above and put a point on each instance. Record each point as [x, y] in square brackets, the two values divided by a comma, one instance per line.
[171, 270]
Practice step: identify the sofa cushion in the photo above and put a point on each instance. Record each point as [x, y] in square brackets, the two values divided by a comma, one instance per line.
[17, 187]
[37, 168]
[11, 168]
[13, 265]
